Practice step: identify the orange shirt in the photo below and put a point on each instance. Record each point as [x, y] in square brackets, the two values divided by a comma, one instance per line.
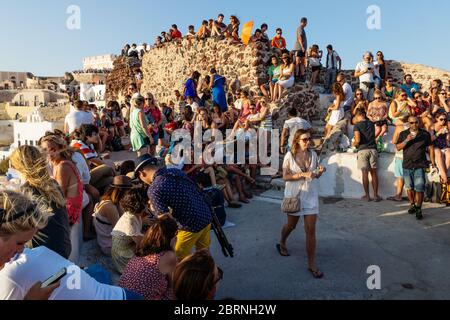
[279, 43]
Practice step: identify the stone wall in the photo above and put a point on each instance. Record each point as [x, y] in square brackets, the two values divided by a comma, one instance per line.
[119, 79]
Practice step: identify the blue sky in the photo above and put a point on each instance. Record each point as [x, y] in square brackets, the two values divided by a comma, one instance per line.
[35, 38]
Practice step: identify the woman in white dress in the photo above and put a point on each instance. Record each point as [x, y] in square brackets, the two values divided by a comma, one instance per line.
[287, 77]
[336, 110]
[301, 171]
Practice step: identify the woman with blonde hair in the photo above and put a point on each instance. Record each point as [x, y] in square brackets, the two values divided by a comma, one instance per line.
[33, 169]
[336, 110]
[301, 172]
[401, 108]
[22, 270]
[67, 175]
[286, 79]
[141, 136]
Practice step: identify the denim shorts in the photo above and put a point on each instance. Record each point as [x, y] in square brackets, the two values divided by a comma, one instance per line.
[414, 179]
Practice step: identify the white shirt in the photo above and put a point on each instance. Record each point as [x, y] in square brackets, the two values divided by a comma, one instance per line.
[195, 107]
[76, 119]
[295, 124]
[348, 94]
[368, 76]
[39, 264]
[82, 167]
[333, 56]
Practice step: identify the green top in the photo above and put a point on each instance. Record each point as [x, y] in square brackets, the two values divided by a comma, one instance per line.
[274, 72]
[137, 135]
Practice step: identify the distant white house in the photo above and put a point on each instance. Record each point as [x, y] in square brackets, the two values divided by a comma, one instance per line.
[93, 94]
[29, 132]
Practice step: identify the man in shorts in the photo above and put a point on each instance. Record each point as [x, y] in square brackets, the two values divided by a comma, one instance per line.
[367, 153]
[301, 45]
[414, 143]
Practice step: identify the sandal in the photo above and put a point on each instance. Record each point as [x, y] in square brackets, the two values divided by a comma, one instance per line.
[395, 199]
[282, 251]
[316, 273]
[378, 199]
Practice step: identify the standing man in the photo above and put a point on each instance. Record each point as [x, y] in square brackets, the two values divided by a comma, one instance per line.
[333, 61]
[365, 71]
[172, 192]
[367, 153]
[301, 45]
[414, 143]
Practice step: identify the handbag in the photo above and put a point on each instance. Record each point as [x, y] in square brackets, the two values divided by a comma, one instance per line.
[291, 205]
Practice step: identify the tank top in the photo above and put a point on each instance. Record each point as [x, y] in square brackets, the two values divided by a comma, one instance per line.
[74, 205]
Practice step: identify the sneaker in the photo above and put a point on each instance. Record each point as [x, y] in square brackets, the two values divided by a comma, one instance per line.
[419, 215]
[412, 209]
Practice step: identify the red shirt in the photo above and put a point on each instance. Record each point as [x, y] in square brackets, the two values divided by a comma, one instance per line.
[176, 34]
[279, 43]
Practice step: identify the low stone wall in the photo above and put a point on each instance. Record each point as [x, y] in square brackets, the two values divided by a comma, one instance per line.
[52, 114]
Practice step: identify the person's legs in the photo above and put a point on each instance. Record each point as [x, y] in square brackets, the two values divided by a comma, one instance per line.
[310, 231]
[419, 187]
[287, 229]
[204, 239]
[264, 90]
[210, 171]
[88, 229]
[374, 175]
[298, 62]
[440, 164]
[272, 89]
[240, 188]
[447, 160]
[365, 180]
[185, 242]
[377, 132]
[400, 186]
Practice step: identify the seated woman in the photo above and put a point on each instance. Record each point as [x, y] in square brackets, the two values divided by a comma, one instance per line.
[148, 272]
[196, 277]
[127, 234]
[108, 212]
[359, 103]
[203, 118]
[336, 110]
[400, 108]
[32, 166]
[22, 270]
[441, 139]
[101, 174]
[67, 175]
[219, 120]
[422, 111]
[287, 77]
[378, 114]
[232, 31]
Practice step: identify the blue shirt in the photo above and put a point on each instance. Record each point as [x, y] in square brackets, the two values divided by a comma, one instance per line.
[173, 190]
[410, 90]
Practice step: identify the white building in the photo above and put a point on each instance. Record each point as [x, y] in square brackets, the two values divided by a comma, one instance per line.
[29, 133]
[99, 62]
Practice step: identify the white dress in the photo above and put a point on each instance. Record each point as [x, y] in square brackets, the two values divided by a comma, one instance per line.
[337, 115]
[309, 189]
[287, 83]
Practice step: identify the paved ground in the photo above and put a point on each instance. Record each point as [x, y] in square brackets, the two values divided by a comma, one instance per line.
[414, 257]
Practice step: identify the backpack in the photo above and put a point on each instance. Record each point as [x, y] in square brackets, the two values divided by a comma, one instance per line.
[116, 144]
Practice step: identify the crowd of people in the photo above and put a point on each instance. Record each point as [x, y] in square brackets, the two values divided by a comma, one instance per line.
[149, 214]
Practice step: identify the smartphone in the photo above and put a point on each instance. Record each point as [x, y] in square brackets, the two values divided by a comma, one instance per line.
[55, 278]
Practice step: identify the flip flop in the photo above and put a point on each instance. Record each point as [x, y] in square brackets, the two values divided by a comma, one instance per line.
[394, 199]
[366, 199]
[280, 251]
[378, 199]
[316, 273]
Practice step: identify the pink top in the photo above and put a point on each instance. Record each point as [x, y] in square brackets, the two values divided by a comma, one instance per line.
[74, 205]
[142, 276]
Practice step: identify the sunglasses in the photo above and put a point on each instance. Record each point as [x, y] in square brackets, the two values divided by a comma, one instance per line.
[442, 120]
[403, 95]
[378, 98]
[415, 122]
[359, 94]
[220, 278]
[306, 140]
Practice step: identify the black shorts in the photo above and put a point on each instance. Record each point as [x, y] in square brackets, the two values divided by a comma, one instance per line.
[381, 123]
[315, 68]
[299, 53]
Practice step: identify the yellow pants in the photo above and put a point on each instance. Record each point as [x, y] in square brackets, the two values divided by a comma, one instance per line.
[187, 240]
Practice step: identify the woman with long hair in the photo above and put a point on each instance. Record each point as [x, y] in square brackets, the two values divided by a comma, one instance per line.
[108, 211]
[441, 137]
[233, 29]
[141, 136]
[336, 110]
[148, 272]
[67, 175]
[22, 269]
[378, 114]
[33, 169]
[196, 277]
[301, 172]
[219, 120]
[401, 108]
[287, 77]
[381, 70]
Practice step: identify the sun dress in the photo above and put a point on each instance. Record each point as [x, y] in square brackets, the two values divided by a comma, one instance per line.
[309, 189]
